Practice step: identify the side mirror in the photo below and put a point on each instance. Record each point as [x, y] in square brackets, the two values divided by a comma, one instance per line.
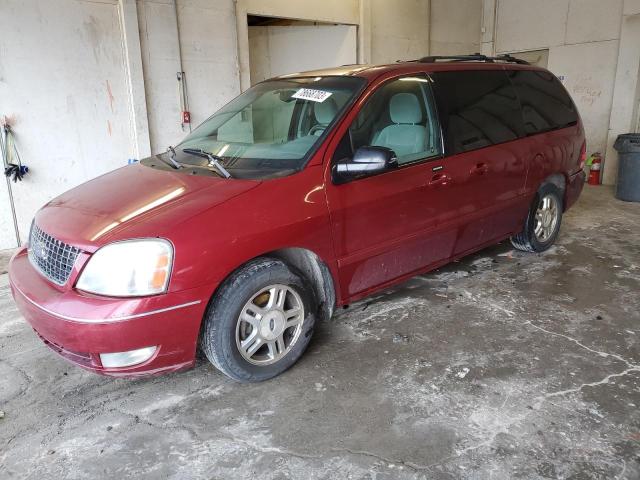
[367, 161]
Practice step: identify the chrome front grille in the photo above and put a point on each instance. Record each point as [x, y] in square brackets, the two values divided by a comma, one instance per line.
[53, 258]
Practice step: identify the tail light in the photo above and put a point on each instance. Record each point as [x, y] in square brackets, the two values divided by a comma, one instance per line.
[583, 155]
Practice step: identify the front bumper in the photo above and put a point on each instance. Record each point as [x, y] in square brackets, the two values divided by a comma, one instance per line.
[80, 326]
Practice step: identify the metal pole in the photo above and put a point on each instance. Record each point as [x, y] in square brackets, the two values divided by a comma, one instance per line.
[4, 144]
[182, 82]
[13, 211]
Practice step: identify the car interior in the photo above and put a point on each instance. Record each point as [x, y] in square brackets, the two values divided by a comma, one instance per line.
[399, 116]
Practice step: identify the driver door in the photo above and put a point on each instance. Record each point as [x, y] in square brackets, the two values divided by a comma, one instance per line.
[383, 225]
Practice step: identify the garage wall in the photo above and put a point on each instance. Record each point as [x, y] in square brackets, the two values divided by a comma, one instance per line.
[65, 82]
[625, 108]
[278, 50]
[346, 12]
[455, 27]
[573, 31]
[399, 30]
[590, 88]
[161, 61]
[208, 41]
[182, 39]
[583, 38]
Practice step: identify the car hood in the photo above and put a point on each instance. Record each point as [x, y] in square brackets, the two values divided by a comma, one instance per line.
[133, 202]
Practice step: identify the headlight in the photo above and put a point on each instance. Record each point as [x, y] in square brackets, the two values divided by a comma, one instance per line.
[130, 268]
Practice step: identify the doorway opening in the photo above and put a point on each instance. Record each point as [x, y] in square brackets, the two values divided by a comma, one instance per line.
[278, 46]
[539, 58]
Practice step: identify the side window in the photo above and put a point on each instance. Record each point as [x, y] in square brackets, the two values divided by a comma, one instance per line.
[477, 108]
[546, 105]
[400, 115]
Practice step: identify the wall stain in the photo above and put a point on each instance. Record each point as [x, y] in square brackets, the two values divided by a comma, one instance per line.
[110, 95]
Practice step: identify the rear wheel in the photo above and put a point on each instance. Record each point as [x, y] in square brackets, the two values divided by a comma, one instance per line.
[543, 222]
[260, 321]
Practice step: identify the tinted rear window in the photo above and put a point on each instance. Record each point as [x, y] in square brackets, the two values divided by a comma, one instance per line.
[477, 109]
[546, 105]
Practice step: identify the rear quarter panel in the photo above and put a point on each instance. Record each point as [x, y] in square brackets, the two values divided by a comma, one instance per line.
[557, 152]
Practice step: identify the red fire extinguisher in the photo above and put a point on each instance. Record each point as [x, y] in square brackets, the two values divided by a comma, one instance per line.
[594, 170]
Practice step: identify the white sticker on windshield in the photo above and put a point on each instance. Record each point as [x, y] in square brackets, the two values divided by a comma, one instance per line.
[311, 94]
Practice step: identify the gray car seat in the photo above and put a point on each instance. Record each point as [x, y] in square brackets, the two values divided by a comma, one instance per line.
[324, 112]
[406, 136]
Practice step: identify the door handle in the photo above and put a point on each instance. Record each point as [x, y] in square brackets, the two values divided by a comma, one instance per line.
[479, 169]
[439, 179]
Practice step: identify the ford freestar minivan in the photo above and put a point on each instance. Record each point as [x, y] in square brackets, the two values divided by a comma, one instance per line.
[306, 192]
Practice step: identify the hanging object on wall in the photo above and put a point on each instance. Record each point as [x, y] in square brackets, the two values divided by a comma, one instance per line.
[13, 167]
[185, 115]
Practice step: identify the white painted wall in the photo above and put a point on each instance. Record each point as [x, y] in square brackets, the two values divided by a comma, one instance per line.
[64, 80]
[208, 57]
[455, 27]
[161, 62]
[346, 12]
[590, 88]
[278, 50]
[595, 44]
[209, 54]
[399, 30]
[625, 108]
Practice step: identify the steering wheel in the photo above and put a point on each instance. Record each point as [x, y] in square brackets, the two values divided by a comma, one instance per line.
[317, 128]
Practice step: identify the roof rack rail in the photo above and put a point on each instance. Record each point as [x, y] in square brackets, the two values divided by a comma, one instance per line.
[476, 57]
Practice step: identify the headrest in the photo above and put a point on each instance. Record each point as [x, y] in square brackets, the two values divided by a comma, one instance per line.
[325, 111]
[405, 108]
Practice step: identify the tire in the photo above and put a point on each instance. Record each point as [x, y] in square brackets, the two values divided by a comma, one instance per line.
[529, 240]
[224, 333]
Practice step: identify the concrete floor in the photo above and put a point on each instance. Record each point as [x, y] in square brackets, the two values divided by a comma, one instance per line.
[504, 365]
[5, 256]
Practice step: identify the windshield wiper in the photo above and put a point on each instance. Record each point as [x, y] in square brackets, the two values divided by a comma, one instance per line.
[172, 162]
[214, 160]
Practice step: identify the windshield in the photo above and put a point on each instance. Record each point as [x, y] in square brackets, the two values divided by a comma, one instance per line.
[274, 127]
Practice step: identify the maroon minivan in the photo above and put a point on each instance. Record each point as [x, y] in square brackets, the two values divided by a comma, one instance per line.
[306, 192]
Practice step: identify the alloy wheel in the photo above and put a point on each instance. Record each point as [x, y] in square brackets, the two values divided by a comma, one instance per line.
[546, 219]
[269, 324]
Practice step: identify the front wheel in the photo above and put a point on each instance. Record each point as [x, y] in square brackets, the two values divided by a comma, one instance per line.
[543, 222]
[260, 321]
